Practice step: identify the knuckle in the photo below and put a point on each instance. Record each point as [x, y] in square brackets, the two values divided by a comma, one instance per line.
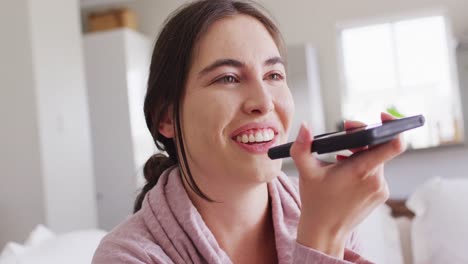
[385, 193]
[374, 184]
[293, 155]
[398, 145]
[382, 195]
[360, 168]
[378, 188]
[294, 151]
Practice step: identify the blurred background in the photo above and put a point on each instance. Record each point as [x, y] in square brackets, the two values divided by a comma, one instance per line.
[73, 75]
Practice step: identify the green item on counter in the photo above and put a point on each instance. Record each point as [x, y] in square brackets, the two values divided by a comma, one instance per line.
[394, 112]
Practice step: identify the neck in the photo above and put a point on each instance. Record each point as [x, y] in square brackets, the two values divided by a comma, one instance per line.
[240, 218]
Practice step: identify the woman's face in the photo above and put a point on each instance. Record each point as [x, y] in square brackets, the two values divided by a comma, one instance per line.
[237, 103]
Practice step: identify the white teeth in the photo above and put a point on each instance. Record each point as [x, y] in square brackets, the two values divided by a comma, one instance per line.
[262, 135]
[258, 136]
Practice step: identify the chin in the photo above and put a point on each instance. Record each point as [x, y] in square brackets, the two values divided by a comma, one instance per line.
[265, 172]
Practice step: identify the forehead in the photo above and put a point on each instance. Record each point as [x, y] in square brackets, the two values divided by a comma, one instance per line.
[239, 37]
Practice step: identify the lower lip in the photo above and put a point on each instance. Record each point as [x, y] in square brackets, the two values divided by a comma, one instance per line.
[257, 148]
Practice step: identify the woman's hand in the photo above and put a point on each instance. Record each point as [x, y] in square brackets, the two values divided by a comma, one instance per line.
[337, 197]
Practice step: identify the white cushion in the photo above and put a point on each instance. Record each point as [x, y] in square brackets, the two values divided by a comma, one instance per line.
[440, 228]
[38, 236]
[44, 247]
[380, 237]
[72, 248]
[11, 252]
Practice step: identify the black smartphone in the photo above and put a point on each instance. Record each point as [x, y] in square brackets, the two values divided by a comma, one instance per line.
[354, 138]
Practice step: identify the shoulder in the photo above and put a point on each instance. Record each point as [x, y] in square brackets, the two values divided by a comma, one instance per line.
[130, 242]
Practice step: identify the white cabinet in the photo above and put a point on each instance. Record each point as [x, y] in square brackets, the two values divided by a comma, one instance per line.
[117, 65]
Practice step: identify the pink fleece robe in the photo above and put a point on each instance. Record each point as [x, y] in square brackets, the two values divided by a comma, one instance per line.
[169, 229]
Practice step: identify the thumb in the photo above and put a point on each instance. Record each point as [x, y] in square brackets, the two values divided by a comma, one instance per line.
[300, 150]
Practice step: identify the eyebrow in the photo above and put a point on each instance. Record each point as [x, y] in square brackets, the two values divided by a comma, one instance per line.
[274, 60]
[237, 64]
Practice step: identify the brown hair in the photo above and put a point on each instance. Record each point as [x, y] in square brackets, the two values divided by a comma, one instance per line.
[169, 68]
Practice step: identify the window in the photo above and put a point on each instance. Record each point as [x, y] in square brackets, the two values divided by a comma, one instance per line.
[404, 67]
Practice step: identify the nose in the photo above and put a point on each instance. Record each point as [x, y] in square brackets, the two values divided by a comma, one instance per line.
[259, 100]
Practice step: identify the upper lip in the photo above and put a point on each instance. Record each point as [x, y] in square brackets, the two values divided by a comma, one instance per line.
[256, 125]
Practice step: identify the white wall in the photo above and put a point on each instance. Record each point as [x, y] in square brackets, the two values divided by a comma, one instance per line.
[47, 165]
[63, 114]
[151, 14]
[21, 190]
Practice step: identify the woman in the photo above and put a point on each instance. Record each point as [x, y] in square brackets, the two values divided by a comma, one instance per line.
[217, 100]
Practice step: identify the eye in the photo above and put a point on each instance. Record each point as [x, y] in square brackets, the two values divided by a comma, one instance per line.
[228, 79]
[275, 76]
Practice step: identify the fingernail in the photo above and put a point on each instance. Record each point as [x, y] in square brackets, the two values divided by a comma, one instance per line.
[341, 157]
[302, 135]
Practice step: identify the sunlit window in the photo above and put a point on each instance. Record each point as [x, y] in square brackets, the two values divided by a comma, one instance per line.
[405, 67]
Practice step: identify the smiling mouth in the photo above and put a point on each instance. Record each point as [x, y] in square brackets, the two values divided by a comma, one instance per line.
[255, 136]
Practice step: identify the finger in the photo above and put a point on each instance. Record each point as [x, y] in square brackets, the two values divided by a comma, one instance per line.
[377, 184]
[354, 124]
[365, 162]
[349, 124]
[356, 150]
[341, 157]
[323, 163]
[386, 117]
[300, 151]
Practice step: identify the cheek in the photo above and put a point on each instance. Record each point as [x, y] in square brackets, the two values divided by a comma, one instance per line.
[206, 114]
[285, 106]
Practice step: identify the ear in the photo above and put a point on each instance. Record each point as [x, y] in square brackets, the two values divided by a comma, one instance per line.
[166, 125]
